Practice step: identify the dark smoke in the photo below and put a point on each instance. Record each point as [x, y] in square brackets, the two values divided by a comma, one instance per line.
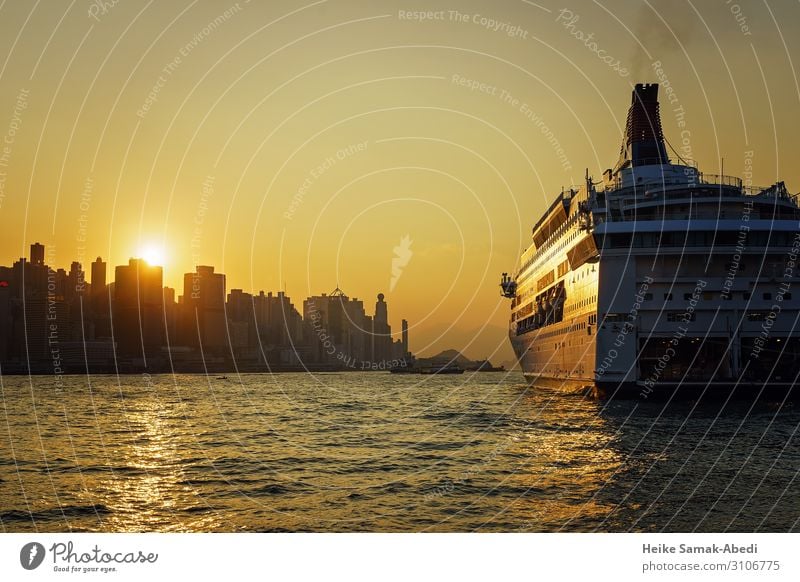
[660, 40]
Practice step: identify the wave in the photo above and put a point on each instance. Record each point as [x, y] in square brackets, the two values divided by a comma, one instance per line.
[55, 513]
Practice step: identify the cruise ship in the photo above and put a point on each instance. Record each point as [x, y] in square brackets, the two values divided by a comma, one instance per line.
[659, 279]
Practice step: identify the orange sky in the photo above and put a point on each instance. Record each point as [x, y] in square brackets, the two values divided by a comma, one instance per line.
[294, 146]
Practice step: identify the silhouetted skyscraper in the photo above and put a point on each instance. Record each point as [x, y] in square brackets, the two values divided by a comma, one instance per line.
[37, 254]
[382, 333]
[203, 309]
[138, 308]
[240, 305]
[98, 276]
[170, 313]
[76, 281]
[404, 328]
[264, 327]
[6, 320]
[381, 311]
[338, 328]
[99, 300]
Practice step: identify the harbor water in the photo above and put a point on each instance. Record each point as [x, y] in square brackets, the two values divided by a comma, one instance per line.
[378, 452]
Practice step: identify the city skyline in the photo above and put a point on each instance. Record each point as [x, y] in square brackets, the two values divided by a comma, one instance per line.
[444, 343]
[57, 321]
[152, 261]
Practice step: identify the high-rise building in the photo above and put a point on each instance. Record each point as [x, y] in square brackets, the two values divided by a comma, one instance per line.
[277, 320]
[170, 314]
[76, 281]
[28, 279]
[138, 308]
[6, 321]
[339, 329]
[98, 276]
[101, 314]
[240, 305]
[75, 291]
[203, 309]
[37, 254]
[265, 327]
[241, 321]
[381, 332]
[32, 291]
[45, 324]
[404, 327]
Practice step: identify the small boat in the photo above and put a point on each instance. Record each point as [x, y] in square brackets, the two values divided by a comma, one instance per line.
[442, 369]
[429, 369]
[222, 377]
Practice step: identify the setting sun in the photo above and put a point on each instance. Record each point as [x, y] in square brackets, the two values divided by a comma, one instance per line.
[153, 254]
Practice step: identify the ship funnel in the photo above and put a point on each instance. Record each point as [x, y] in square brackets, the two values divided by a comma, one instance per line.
[643, 143]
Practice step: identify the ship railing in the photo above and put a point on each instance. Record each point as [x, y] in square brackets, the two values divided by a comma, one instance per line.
[720, 180]
[773, 191]
[722, 215]
[656, 161]
[702, 179]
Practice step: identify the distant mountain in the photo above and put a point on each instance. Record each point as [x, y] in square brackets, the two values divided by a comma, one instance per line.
[488, 341]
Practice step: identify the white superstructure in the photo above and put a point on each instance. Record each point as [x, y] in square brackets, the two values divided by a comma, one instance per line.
[660, 277]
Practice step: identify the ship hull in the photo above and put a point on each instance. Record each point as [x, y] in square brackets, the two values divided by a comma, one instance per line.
[631, 332]
[667, 391]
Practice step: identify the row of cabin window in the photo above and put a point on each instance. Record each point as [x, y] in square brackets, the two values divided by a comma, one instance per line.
[752, 239]
[708, 296]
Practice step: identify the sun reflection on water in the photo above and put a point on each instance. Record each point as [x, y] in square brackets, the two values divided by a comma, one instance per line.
[377, 453]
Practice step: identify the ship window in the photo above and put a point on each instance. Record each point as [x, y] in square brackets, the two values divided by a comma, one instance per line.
[725, 296]
[708, 296]
[648, 296]
[734, 267]
[767, 296]
[680, 316]
[757, 316]
[687, 296]
[668, 296]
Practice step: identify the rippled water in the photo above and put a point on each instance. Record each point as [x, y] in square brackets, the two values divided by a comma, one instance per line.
[377, 452]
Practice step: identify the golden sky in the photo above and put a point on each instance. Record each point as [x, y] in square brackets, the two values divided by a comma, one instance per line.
[294, 145]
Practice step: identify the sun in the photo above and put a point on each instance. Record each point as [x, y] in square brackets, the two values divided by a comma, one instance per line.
[153, 254]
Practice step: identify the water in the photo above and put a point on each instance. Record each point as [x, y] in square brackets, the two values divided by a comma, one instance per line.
[377, 452]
